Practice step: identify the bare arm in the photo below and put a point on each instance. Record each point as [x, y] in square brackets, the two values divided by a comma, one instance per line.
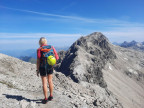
[38, 63]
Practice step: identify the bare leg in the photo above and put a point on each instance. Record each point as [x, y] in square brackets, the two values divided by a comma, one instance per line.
[50, 84]
[44, 82]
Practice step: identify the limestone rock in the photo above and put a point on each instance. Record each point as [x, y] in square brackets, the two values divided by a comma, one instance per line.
[87, 57]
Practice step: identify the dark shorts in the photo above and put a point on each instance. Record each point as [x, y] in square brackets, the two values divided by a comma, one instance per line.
[45, 72]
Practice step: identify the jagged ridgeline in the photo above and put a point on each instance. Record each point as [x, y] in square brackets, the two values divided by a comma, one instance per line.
[86, 58]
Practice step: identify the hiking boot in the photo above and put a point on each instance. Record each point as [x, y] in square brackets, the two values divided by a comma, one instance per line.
[44, 101]
[50, 98]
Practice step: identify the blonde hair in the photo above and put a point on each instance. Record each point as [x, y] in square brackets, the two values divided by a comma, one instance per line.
[42, 41]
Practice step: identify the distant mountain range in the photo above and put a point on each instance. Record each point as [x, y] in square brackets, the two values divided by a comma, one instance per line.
[28, 59]
[19, 53]
[132, 45]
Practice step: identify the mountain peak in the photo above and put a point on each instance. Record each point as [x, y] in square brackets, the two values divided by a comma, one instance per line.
[86, 58]
[133, 42]
[95, 36]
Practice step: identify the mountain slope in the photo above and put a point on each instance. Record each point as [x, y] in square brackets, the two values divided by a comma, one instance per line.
[20, 87]
[125, 77]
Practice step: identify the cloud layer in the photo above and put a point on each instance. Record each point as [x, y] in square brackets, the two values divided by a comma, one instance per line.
[30, 40]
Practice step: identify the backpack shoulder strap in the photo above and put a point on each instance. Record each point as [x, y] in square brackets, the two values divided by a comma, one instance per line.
[49, 46]
[46, 48]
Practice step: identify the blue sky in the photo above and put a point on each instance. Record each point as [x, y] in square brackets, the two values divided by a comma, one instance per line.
[23, 22]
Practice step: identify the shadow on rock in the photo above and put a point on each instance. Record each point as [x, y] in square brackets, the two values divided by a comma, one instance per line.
[19, 98]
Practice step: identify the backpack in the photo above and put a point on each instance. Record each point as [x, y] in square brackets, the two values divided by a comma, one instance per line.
[46, 51]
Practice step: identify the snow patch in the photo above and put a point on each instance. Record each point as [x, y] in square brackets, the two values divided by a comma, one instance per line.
[110, 68]
[125, 58]
[120, 53]
[132, 71]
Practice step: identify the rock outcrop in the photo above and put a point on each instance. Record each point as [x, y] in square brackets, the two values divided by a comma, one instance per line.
[86, 58]
[61, 56]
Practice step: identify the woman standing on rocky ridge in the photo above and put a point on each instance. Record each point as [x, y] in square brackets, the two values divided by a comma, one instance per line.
[45, 69]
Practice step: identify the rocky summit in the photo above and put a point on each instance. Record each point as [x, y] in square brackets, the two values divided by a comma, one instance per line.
[93, 73]
[86, 58]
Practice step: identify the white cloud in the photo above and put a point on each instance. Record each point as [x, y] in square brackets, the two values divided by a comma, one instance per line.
[106, 21]
[30, 40]
[36, 35]
[17, 41]
[125, 34]
[49, 14]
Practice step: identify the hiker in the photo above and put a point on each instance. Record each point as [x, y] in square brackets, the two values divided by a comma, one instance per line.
[45, 69]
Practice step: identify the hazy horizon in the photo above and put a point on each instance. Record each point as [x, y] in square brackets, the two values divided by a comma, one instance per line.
[33, 44]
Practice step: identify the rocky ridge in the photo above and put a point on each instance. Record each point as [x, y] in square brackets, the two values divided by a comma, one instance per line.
[20, 87]
[86, 58]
